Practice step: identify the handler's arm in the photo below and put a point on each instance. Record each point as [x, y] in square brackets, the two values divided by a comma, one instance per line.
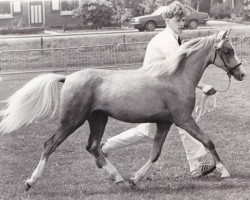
[206, 89]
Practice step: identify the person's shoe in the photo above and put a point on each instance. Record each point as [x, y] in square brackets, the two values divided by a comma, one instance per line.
[203, 170]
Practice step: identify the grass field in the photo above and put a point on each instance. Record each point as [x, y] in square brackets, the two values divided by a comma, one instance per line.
[72, 174]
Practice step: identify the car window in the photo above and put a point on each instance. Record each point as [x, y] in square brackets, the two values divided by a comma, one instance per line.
[159, 11]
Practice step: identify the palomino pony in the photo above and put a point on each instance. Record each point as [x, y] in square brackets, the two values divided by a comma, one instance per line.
[163, 94]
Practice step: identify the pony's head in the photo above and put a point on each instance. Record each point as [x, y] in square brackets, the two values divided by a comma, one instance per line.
[225, 57]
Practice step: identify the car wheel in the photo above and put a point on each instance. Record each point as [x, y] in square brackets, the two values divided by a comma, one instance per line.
[150, 26]
[193, 24]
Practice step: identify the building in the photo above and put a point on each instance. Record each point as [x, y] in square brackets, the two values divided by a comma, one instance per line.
[235, 3]
[38, 13]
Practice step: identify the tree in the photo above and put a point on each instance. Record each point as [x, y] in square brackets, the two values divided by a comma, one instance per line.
[95, 12]
[244, 2]
[205, 6]
[221, 10]
[216, 2]
[122, 11]
[106, 12]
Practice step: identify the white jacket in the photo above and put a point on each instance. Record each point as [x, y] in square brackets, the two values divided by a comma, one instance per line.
[161, 47]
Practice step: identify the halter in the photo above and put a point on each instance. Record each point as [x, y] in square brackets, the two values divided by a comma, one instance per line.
[228, 70]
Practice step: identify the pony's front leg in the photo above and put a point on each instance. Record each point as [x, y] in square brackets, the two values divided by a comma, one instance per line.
[113, 172]
[160, 136]
[193, 129]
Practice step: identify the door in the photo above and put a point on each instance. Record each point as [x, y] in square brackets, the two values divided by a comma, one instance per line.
[36, 13]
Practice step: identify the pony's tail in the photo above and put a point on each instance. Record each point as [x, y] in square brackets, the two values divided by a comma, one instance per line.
[35, 99]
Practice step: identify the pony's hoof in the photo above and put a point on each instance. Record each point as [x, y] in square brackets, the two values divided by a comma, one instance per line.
[225, 176]
[120, 183]
[27, 186]
[132, 184]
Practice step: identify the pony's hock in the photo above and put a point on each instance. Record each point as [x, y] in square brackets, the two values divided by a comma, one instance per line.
[93, 95]
[27, 187]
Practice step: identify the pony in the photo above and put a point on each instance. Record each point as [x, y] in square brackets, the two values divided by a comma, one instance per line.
[162, 94]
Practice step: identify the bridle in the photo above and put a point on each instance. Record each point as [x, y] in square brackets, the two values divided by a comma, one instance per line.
[229, 70]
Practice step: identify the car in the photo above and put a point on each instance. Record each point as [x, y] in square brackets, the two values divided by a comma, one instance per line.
[155, 20]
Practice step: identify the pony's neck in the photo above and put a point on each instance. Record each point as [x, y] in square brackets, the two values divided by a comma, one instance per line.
[194, 67]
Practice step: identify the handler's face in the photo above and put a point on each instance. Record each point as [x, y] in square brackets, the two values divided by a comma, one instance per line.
[176, 24]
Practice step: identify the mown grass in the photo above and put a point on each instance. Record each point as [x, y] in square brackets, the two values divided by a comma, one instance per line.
[72, 174]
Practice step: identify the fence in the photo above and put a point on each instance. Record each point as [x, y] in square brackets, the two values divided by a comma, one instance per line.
[130, 54]
[245, 49]
[127, 55]
[57, 59]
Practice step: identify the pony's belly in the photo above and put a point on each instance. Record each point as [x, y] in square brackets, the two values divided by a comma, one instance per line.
[137, 115]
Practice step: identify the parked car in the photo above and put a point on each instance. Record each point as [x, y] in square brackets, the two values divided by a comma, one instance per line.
[155, 20]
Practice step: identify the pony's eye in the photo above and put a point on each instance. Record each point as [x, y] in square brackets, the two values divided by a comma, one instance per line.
[226, 51]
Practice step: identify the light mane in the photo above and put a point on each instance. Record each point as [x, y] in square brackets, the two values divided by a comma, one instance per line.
[171, 65]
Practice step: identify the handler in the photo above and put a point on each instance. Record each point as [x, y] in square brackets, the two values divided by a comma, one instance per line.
[160, 48]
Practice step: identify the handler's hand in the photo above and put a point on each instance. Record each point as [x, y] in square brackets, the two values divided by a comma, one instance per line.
[208, 90]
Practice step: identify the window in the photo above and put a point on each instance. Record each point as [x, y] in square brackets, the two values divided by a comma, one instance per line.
[68, 5]
[5, 10]
[17, 7]
[55, 5]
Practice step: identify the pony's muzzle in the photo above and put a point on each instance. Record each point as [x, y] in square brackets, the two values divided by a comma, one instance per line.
[239, 74]
[243, 75]
[240, 77]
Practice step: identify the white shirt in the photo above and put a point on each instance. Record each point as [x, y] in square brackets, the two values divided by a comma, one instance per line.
[161, 47]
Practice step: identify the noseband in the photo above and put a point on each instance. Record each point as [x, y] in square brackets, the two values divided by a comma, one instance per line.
[229, 70]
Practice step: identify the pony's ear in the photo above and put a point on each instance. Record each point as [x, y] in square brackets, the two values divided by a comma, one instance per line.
[222, 35]
[228, 32]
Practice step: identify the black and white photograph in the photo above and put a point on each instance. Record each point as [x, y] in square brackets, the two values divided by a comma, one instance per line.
[124, 99]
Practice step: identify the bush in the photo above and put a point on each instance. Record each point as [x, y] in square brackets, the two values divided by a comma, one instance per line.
[220, 11]
[95, 13]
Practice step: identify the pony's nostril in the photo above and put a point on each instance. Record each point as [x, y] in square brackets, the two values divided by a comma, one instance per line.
[243, 75]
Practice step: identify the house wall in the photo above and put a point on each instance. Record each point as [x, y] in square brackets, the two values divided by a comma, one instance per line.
[54, 19]
[24, 14]
[17, 17]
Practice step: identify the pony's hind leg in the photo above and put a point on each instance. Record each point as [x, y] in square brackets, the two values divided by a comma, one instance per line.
[74, 111]
[49, 147]
[160, 136]
[97, 122]
[71, 118]
[193, 129]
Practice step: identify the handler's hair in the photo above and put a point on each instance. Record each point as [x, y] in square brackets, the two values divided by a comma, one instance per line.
[174, 9]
